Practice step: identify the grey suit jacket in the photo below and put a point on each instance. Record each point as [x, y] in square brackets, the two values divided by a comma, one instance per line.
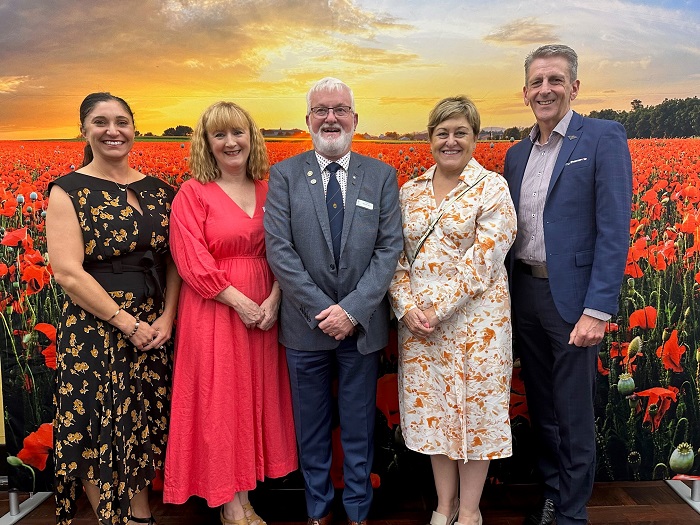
[300, 251]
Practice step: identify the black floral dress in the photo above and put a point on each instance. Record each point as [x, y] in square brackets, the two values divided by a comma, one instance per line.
[112, 400]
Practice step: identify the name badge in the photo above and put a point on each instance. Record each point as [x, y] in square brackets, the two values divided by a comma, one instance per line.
[364, 204]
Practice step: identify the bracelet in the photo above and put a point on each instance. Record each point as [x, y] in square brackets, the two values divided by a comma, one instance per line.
[136, 327]
[115, 314]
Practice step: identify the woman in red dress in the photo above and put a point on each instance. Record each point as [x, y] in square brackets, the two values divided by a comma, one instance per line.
[231, 417]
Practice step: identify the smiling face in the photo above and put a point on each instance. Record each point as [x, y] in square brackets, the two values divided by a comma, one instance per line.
[230, 149]
[452, 144]
[109, 128]
[331, 136]
[549, 91]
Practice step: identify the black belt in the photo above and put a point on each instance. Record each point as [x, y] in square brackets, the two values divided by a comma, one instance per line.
[148, 263]
[538, 271]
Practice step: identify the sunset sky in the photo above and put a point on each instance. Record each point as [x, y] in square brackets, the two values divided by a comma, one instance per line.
[170, 59]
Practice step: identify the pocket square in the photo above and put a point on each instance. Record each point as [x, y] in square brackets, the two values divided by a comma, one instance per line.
[575, 161]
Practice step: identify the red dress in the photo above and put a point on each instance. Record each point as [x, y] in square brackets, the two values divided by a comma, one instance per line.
[231, 416]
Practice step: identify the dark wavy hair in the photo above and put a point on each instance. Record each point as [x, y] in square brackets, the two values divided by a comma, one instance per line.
[87, 106]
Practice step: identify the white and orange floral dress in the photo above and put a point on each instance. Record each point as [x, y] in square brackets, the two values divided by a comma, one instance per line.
[454, 386]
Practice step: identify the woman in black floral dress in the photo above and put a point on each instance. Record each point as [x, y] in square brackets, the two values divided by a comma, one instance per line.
[107, 232]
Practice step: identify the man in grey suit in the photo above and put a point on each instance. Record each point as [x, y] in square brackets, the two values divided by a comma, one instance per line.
[333, 235]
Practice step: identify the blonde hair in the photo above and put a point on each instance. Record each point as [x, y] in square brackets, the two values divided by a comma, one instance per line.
[218, 117]
[459, 106]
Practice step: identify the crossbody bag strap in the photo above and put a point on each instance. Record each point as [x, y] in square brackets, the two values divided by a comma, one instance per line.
[430, 229]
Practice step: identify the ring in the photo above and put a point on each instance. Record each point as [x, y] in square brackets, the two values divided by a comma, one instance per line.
[161, 347]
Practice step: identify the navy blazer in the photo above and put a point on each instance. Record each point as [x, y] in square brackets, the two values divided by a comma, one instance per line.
[586, 214]
[300, 250]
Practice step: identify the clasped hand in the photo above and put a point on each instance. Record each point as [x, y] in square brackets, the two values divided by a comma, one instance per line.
[262, 316]
[421, 323]
[335, 322]
[148, 336]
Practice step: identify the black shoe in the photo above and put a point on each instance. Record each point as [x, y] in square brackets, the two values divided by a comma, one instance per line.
[544, 516]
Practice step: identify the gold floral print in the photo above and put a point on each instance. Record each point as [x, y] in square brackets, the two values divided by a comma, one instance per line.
[112, 401]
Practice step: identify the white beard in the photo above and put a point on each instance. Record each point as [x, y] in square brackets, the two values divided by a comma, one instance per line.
[331, 148]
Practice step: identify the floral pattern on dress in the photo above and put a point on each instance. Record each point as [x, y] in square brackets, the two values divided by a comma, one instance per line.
[112, 400]
[454, 386]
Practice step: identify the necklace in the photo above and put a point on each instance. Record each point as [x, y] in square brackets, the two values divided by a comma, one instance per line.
[122, 187]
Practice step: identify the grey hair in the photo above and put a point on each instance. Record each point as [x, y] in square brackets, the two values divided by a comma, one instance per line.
[329, 84]
[554, 50]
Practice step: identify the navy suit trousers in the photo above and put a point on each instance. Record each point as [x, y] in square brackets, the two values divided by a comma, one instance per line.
[560, 386]
[311, 375]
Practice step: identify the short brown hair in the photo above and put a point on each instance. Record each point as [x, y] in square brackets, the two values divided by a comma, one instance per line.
[218, 117]
[459, 106]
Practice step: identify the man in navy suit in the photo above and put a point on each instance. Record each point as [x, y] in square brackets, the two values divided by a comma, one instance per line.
[333, 237]
[571, 183]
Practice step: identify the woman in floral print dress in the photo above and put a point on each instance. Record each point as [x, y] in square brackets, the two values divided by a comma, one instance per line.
[107, 232]
[450, 292]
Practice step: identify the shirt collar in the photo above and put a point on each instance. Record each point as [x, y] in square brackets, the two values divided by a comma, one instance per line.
[344, 161]
[560, 128]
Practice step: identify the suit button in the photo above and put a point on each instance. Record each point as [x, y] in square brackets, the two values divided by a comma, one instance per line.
[332, 266]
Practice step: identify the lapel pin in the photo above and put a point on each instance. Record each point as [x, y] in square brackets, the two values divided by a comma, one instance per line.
[313, 181]
[309, 173]
[572, 137]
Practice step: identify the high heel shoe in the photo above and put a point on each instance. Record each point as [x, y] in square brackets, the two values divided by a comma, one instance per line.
[224, 521]
[251, 515]
[441, 519]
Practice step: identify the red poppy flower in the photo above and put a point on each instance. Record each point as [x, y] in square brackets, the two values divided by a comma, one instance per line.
[14, 237]
[37, 446]
[391, 351]
[36, 277]
[157, 483]
[660, 398]
[3, 270]
[637, 250]
[671, 352]
[388, 398]
[50, 351]
[601, 369]
[518, 401]
[645, 318]
[622, 350]
[633, 270]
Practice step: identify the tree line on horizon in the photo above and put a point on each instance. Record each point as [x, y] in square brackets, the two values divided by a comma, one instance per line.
[673, 118]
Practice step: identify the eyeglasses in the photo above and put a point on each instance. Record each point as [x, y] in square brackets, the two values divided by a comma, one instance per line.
[338, 111]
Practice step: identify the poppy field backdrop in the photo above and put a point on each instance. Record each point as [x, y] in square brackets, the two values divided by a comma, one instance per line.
[648, 407]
